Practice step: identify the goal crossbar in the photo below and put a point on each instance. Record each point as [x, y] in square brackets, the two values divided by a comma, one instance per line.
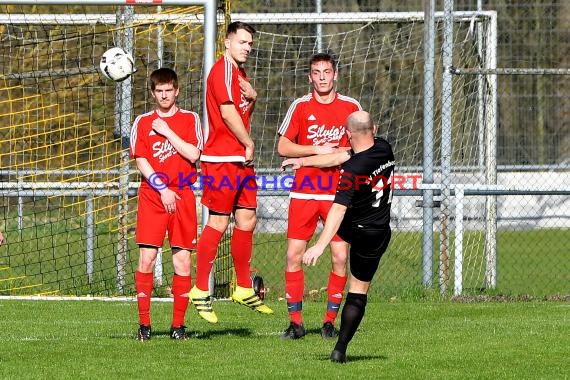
[352, 17]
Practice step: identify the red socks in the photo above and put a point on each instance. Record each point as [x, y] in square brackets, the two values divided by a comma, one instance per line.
[294, 289]
[143, 286]
[335, 290]
[205, 256]
[241, 246]
[180, 287]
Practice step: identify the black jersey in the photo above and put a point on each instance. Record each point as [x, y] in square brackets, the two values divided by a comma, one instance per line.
[365, 187]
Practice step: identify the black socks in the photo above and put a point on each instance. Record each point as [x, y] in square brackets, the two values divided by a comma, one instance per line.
[350, 319]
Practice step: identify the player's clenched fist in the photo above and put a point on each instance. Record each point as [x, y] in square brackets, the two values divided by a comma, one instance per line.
[160, 126]
[247, 89]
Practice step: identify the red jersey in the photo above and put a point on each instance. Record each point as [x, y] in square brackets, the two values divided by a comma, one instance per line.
[223, 87]
[162, 156]
[309, 122]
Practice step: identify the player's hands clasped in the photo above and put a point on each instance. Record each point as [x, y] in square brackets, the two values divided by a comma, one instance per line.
[312, 254]
[168, 198]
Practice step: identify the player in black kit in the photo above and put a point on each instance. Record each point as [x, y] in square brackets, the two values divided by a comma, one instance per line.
[360, 215]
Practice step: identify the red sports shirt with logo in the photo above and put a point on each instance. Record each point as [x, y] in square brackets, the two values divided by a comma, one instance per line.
[309, 122]
[160, 153]
[223, 87]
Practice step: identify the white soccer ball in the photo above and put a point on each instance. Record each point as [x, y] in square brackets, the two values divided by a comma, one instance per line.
[116, 64]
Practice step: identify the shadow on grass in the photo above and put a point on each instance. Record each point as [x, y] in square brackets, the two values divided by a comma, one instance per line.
[165, 334]
[353, 358]
[241, 332]
[357, 358]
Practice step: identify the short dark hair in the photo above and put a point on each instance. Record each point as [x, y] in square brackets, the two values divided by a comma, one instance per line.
[163, 75]
[237, 25]
[323, 57]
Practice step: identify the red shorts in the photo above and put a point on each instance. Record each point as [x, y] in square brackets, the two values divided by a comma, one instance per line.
[153, 222]
[304, 215]
[228, 185]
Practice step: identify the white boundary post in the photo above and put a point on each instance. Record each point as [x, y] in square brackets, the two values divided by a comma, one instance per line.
[158, 269]
[491, 158]
[458, 259]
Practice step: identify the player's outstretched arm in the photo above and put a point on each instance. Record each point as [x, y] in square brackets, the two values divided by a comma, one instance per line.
[288, 148]
[189, 151]
[318, 161]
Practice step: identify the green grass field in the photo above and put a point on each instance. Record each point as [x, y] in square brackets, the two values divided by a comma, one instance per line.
[396, 340]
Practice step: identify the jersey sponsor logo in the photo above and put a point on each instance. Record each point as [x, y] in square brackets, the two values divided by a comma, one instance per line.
[163, 150]
[384, 166]
[321, 134]
[244, 105]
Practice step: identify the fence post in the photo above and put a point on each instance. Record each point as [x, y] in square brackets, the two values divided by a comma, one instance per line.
[429, 85]
[90, 231]
[458, 257]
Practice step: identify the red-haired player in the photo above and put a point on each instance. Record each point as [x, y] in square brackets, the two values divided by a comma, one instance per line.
[165, 144]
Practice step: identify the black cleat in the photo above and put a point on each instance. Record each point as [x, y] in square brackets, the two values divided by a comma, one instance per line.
[294, 331]
[144, 333]
[178, 333]
[328, 331]
[338, 357]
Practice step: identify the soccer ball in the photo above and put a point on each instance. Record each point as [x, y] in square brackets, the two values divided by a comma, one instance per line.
[116, 64]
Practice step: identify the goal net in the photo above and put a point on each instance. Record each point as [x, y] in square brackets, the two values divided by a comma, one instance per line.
[381, 64]
[69, 188]
[68, 185]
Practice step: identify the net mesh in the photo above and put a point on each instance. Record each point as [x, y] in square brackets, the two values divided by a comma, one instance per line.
[70, 191]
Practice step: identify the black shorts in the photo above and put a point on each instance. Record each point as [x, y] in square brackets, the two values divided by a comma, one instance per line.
[367, 245]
